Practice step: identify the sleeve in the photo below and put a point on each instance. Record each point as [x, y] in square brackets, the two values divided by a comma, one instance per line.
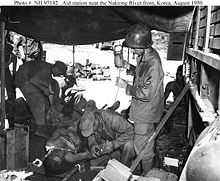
[120, 127]
[42, 80]
[54, 90]
[21, 76]
[145, 90]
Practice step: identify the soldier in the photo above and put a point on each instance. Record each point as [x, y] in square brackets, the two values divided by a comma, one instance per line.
[107, 131]
[147, 94]
[34, 78]
[176, 86]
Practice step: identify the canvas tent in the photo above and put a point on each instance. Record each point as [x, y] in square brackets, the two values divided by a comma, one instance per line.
[85, 25]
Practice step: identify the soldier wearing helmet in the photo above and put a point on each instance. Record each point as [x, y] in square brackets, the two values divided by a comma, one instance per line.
[147, 90]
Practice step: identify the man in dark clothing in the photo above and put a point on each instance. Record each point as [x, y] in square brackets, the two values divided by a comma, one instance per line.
[107, 131]
[34, 78]
[176, 87]
[147, 90]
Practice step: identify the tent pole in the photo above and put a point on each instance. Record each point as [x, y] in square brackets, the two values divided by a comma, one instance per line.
[73, 60]
[2, 74]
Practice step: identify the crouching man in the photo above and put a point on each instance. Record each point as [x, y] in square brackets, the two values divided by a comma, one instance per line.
[109, 135]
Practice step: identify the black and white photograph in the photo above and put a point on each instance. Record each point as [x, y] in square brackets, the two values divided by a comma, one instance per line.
[112, 90]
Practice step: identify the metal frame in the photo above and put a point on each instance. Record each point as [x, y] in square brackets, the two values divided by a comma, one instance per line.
[204, 58]
[210, 59]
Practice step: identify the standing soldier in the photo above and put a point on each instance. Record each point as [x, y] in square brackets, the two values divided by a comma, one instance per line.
[147, 90]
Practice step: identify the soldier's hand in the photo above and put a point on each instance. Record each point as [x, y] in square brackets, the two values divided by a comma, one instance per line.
[107, 147]
[96, 151]
[121, 82]
[126, 65]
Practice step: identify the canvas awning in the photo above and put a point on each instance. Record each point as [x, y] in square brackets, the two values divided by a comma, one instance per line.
[85, 25]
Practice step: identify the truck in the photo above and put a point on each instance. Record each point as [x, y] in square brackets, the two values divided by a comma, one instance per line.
[202, 70]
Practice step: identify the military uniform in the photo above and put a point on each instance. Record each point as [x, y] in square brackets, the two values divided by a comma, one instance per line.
[147, 101]
[111, 128]
[34, 79]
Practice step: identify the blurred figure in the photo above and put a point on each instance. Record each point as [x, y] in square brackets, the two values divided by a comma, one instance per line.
[147, 93]
[34, 78]
[175, 87]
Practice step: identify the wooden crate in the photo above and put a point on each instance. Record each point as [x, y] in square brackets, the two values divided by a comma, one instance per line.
[203, 22]
[202, 32]
[14, 148]
[217, 29]
[215, 16]
[203, 13]
[201, 42]
[216, 43]
[212, 30]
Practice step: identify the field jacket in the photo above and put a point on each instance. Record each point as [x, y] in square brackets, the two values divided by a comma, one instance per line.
[113, 127]
[35, 73]
[147, 91]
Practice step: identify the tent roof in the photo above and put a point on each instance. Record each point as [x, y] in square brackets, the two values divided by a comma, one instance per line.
[84, 25]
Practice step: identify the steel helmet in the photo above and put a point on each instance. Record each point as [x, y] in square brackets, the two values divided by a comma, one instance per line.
[204, 163]
[138, 36]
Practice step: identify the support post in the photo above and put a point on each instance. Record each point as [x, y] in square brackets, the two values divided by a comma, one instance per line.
[73, 54]
[73, 61]
[2, 74]
[218, 97]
